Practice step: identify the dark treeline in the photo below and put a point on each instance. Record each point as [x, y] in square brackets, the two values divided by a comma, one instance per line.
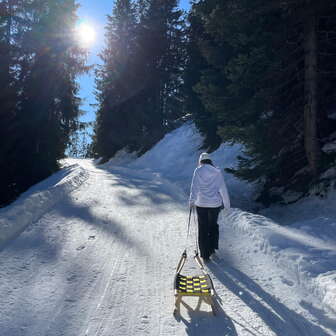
[39, 107]
[139, 84]
[263, 73]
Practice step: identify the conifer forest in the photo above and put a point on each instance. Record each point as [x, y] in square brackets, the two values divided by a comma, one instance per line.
[260, 73]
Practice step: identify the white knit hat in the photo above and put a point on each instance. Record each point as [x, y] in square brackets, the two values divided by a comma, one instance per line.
[204, 156]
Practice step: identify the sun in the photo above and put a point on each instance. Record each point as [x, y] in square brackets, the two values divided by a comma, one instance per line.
[86, 34]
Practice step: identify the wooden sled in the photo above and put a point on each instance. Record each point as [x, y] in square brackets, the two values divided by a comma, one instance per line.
[199, 285]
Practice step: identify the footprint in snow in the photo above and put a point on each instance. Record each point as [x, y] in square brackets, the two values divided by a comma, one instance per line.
[70, 300]
[92, 237]
[287, 282]
[82, 247]
[72, 278]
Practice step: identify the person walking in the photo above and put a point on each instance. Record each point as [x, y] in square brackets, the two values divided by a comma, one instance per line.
[208, 193]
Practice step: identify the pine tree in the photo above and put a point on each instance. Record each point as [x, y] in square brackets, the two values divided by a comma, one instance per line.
[116, 85]
[41, 103]
[161, 42]
[197, 65]
[49, 105]
[307, 16]
[139, 84]
[264, 84]
[9, 54]
[80, 145]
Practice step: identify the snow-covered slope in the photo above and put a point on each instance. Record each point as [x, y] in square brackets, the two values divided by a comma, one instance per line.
[176, 156]
[38, 200]
[98, 258]
[310, 242]
[305, 248]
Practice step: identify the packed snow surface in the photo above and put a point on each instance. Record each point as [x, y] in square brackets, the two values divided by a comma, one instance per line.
[102, 243]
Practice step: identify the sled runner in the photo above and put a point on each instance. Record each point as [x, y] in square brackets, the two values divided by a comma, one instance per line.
[199, 285]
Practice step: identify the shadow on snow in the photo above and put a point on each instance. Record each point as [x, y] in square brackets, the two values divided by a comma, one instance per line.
[276, 315]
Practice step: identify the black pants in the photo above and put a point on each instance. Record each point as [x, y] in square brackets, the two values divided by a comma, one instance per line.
[208, 230]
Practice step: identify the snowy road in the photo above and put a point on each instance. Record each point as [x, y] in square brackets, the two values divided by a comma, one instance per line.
[102, 262]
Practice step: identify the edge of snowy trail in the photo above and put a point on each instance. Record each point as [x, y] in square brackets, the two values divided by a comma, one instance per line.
[35, 202]
[305, 257]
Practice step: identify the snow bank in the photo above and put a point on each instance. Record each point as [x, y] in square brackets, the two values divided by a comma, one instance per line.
[309, 258]
[38, 200]
[121, 158]
[325, 285]
[315, 217]
[329, 148]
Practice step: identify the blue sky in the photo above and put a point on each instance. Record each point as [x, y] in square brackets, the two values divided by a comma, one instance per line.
[94, 13]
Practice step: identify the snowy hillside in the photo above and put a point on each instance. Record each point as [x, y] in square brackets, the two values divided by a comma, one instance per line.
[305, 248]
[102, 243]
[176, 156]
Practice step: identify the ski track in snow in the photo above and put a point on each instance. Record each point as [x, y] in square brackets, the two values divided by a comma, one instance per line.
[102, 262]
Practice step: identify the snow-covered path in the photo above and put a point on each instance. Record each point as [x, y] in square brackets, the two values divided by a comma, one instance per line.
[102, 262]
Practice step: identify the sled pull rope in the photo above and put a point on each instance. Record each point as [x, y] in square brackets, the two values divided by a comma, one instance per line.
[196, 256]
[188, 228]
[181, 262]
[192, 213]
[196, 232]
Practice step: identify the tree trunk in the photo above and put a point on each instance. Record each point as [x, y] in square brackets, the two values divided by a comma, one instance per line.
[9, 35]
[9, 21]
[311, 141]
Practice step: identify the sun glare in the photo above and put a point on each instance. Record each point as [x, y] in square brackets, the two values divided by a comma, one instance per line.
[85, 34]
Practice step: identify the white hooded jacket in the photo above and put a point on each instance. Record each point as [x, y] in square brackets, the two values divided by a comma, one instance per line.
[208, 189]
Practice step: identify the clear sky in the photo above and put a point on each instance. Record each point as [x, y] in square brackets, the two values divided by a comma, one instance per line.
[94, 14]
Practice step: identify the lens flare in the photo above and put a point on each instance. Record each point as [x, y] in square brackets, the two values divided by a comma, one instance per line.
[86, 34]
